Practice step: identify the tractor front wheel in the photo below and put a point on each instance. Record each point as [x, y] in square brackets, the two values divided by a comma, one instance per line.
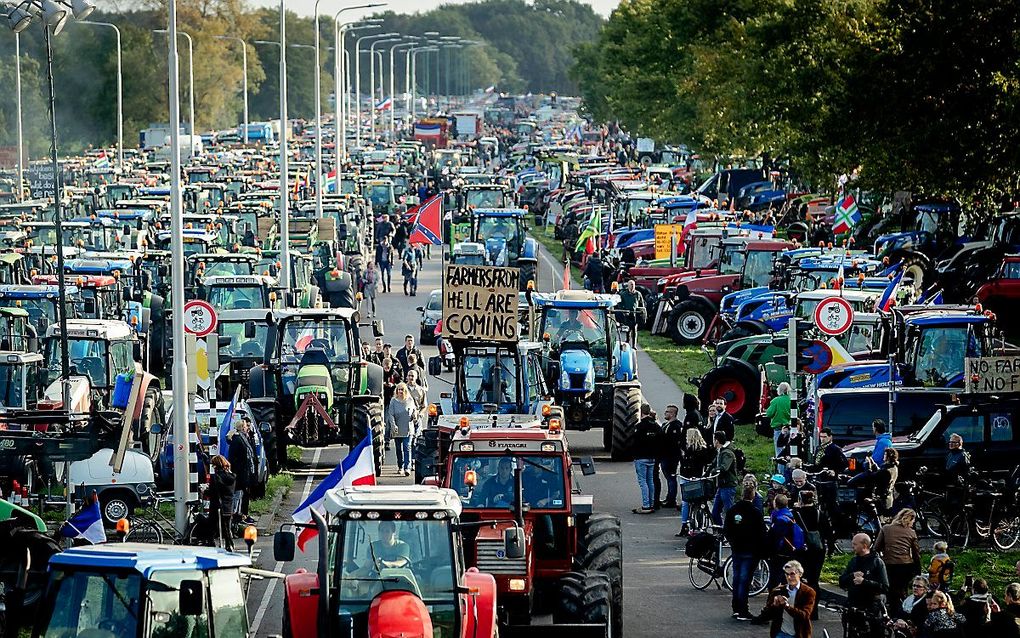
[368, 417]
[918, 271]
[529, 272]
[585, 598]
[601, 550]
[626, 414]
[30, 549]
[688, 323]
[738, 386]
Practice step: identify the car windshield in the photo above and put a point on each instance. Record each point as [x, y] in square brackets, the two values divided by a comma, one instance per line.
[484, 198]
[939, 353]
[103, 604]
[542, 479]
[488, 378]
[1011, 270]
[87, 357]
[435, 302]
[239, 346]
[576, 324]
[236, 297]
[330, 336]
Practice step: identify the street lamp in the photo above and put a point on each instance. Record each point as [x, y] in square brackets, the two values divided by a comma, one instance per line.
[244, 66]
[357, 80]
[371, 56]
[409, 42]
[191, 88]
[19, 191]
[343, 70]
[414, 72]
[120, 91]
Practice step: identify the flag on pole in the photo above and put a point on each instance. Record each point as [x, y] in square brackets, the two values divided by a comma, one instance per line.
[103, 161]
[87, 524]
[426, 222]
[357, 468]
[223, 444]
[592, 231]
[847, 215]
[839, 353]
[888, 296]
[330, 182]
[385, 105]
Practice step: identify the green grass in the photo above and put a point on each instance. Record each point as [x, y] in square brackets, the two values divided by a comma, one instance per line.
[998, 568]
[294, 453]
[277, 483]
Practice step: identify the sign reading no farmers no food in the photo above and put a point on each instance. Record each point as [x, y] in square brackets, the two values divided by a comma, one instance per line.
[480, 303]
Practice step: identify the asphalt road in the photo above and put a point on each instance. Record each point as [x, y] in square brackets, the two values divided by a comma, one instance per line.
[659, 599]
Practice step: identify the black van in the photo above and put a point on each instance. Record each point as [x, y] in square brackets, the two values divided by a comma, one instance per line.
[849, 412]
[987, 423]
[725, 184]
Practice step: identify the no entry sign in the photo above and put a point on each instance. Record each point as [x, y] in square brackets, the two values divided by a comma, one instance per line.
[834, 316]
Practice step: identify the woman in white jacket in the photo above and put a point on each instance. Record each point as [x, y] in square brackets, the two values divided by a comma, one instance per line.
[402, 424]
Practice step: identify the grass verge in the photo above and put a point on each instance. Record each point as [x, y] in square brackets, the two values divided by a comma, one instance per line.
[294, 453]
[555, 250]
[277, 484]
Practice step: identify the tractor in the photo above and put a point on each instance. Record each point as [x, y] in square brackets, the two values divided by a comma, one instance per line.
[238, 292]
[589, 364]
[919, 235]
[520, 475]
[390, 563]
[312, 357]
[503, 233]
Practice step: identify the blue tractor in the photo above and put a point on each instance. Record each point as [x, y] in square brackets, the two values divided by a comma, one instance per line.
[502, 231]
[590, 366]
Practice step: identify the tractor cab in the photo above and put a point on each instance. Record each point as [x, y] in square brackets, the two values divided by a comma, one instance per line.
[502, 234]
[118, 191]
[13, 268]
[484, 196]
[99, 296]
[495, 378]
[381, 194]
[196, 240]
[22, 380]
[98, 349]
[203, 265]
[135, 590]
[238, 292]
[40, 302]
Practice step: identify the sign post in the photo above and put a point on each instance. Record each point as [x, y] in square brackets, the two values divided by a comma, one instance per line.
[480, 303]
[834, 316]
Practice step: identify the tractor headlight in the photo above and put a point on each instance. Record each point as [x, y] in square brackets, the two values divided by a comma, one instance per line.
[564, 380]
[589, 380]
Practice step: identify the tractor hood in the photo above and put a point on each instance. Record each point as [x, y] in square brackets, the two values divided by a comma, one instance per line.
[732, 301]
[861, 374]
[577, 371]
[399, 613]
[713, 286]
[963, 256]
[886, 244]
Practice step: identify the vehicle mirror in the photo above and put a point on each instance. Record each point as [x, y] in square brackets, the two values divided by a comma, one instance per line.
[420, 309]
[265, 427]
[249, 330]
[283, 546]
[377, 328]
[155, 428]
[435, 366]
[89, 306]
[163, 270]
[587, 464]
[513, 542]
[191, 598]
[137, 349]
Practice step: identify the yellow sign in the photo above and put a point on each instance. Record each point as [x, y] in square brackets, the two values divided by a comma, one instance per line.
[664, 234]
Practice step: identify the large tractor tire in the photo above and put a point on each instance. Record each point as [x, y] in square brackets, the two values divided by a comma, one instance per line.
[688, 323]
[742, 330]
[626, 414]
[918, 271]
[426, 455]
[529, 272]
[740, 388]
[600, 549]
[585, 598]
[23, 544]
[368, 417]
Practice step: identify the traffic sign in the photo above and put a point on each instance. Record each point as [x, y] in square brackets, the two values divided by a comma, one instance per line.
[199, 318]
[820, 357]
[834, 316]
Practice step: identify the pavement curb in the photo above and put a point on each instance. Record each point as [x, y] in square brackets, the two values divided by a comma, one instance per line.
[266, 520]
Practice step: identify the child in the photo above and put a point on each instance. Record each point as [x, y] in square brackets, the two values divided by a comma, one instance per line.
[940, 558]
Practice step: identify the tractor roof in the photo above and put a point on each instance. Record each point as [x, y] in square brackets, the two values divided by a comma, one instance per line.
[75, 279]
[575, 299]
[499, 212]
[237, 280]
[107, 329]
[316, 313]
[15, 291]
[233, 316]
[147, 559]
[938, 318]
[9, 357]
[850, 294]
[220, 257]
[90, 266]
[425, 498]
[514, 439]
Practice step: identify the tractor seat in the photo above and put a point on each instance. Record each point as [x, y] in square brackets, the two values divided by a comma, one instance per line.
[92, 367]
[315, 356]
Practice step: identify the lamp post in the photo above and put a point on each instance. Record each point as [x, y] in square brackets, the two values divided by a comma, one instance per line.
[409, 42]
[284, 130]
[372, 53]
[244, 66]
[357, 81]
[414, 73]
[191, 88]
[120, 91]
[343, 71]
[21, 140]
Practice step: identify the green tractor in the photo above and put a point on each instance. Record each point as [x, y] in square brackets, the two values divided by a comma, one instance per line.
[313, 388]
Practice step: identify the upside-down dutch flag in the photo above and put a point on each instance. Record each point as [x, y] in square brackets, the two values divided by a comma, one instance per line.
[426, 222]
[357, 468]
[690, 223]
[384, 105]
[886, 301]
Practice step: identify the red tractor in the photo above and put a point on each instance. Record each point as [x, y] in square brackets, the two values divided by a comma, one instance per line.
[689, 308]
[391, 557]
[1000, 293]
[515, 472]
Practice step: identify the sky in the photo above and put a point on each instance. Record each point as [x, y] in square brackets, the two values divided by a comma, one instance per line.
[306, 7]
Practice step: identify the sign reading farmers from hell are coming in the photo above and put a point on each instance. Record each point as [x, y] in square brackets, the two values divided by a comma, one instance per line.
[480, 303]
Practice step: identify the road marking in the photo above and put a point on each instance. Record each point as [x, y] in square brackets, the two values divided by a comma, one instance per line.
[268, 594]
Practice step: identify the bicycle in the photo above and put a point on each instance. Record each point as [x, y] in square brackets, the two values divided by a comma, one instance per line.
[153, 526]
[698, 493]
[858, 623]
[710, 568]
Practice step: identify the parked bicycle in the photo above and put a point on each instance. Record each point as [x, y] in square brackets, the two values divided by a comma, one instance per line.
[710, 566]
[150, 524]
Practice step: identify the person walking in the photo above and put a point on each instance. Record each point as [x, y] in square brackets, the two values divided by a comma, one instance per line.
[726, 476]
[672, 451]
[898, 546]
[370, 286]
[647, 439]
[401, 420]
[593, 273]
[221, 499]
[866, 582]
[408, 349]
[789, 606]
[241, 454]
[409, 269]
[744, 528]
[631, 309]
[778, 413]
[384, 258]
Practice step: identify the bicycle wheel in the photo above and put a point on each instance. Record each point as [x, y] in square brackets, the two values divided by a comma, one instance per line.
[702, 570]
[930, 524]
[760, 578]
[1006, 533]
[959, 531]
[144, 531]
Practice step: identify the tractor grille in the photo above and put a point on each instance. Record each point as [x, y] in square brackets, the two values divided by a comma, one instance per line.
[492, 560]
[577, 380]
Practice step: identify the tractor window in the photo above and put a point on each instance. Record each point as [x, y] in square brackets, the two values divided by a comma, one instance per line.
[1011, 270]
[1002, 426]
[534, 379]
[329, 336]
[577, 324]
[164, 602]
[11, 380]
[41, 312]
[970, 426]
[239, 346]
[88, 357]
[228, 268]
[497, 228]
[483, 198]
[99, 605]
[236, 297]
[732, 262]
[939, 354]
[928, 222]
[758, 268]
[488, 379]
[704, 252]
[381, 195]
[859, 338]
[122, 353]
[227, 602]
[542, 479]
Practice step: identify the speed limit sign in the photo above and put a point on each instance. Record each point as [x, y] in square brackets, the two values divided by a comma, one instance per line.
[199, 318]
[834, 316]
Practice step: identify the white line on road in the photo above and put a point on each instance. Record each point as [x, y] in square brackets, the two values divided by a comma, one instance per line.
[268, 594]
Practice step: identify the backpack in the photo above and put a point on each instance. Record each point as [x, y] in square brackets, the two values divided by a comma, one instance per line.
[795, 542]
[741, 461]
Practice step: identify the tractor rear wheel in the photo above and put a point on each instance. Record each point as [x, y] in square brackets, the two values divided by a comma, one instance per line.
[626, 414]
[529, 272]
[917, 270]
[585, 598]
[688, 323]
[368, 417]
[20, 545]
[735, 384]
[600, 549]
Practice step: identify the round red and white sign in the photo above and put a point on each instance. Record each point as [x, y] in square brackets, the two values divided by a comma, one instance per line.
[834, 316]
[199, 318]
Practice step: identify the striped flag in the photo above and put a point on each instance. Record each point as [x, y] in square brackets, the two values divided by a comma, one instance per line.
[87, 524]
[385, 105]
[223, 444]
[888, 296]
[847, 215]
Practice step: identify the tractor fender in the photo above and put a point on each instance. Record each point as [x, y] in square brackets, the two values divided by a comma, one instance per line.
[704, 303]
[374, 377]
[739, 363]
[626, 367]
[910, 255]
[261, 383]
[480, 621]
[398, 613]
[753, 325]
[148, 380]
[301, 592]
[530, 249]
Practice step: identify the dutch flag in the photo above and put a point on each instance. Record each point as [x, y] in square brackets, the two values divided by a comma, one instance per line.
[385, 105]
[87, 524]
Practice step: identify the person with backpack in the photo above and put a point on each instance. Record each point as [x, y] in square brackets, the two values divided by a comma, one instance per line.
[727, 476]
[744, 528]
[786, 538]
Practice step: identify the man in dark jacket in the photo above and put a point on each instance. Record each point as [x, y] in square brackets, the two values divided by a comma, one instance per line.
[957, 461]
[241, 455]
[593, 273]
[409, 348]
[865, 580]
[727, 479]
[631, 309]
[672, 450]
[647, 441]
[745, 530]
[828, 456]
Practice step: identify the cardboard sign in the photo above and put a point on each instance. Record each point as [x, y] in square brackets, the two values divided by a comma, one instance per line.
[480, 303]
[987, 375]
[664, 234]
[42, 180]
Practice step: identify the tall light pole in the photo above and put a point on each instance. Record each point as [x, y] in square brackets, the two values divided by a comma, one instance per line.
[244, 67]
[372, 53]
[393, 95]
[191, 88]
[120, 91]
[357, 81]
[284, 130]
[414, 79]
[342, 75]
[21, 139]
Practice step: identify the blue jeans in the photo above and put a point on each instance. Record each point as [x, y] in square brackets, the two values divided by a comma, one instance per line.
[645, 469]
[743, 569]
[403, 452]
[723, 502]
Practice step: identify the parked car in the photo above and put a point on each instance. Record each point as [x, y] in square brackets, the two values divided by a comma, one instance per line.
[431, 313]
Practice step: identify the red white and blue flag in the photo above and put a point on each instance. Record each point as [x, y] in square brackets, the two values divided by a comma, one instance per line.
[357, 468]
[385, 105]
[889, 296]
[426, 222]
